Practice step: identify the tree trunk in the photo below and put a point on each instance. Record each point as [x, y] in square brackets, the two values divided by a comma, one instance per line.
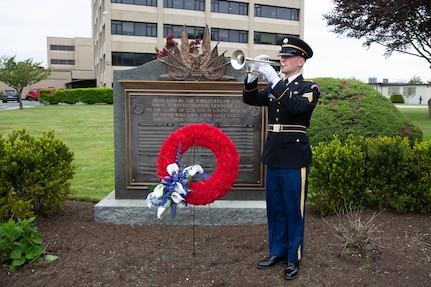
[20, 101]
[429, 108]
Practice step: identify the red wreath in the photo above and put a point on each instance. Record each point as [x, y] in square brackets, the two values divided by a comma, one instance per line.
[227, 160]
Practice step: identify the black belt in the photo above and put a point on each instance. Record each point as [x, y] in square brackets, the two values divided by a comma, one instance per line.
[282, 128]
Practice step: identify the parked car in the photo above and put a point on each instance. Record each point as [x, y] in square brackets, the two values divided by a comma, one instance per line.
[10, 95]
[33, 95]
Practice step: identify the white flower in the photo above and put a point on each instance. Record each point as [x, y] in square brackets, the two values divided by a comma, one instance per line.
[162, 209]
[193, 169]
[173, 167]
[180, 188]
[176, 197]
[155, 195]
[158, 191]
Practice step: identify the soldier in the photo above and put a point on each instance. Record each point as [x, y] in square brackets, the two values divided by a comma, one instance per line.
[287, 152]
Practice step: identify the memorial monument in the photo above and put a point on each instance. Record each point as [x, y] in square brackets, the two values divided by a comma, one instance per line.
[156, 99]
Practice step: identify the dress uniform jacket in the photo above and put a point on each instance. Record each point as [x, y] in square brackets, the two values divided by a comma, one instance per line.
[289, 112]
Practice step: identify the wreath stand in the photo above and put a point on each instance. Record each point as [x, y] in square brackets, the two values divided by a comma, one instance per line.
[192, 260]
[221, 181]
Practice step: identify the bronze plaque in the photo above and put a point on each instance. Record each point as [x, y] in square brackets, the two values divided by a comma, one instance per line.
[154, 109]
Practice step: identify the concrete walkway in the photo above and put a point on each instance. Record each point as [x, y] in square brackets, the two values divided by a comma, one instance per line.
[401, 106]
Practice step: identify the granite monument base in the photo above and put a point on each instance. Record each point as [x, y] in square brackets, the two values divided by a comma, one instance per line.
[220, 212]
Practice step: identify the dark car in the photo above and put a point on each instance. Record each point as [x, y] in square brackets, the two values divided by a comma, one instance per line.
[10, 95]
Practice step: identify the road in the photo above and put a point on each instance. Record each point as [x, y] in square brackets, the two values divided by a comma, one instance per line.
[15, 105]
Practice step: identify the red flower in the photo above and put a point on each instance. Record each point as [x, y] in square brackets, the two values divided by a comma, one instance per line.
[227, 160]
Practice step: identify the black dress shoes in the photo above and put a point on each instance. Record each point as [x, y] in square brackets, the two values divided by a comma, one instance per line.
[270, 262]
[291, 271]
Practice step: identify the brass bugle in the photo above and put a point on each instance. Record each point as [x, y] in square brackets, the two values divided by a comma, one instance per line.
[238, 60]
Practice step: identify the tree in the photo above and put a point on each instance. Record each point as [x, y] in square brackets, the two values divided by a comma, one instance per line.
[416, 80]
[19, 75]
[399, 25]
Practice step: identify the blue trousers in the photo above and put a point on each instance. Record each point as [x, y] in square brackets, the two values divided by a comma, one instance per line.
[286, 193]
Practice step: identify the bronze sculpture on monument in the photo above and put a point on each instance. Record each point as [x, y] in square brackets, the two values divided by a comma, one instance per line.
[198, 66]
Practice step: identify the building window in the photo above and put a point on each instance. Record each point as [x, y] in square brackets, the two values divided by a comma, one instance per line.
[229, 7]
[62, 62]
[133, 28]
[176, 30]
[61, 48]
[393, 90]
[198, 5]
[137, 2]
[409, 92]
[276, 12]
[226, 35]
[130, 59]
[270, 38]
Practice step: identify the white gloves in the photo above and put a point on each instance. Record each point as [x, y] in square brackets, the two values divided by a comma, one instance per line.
[255, 66]
[265, 69]
[269, 73]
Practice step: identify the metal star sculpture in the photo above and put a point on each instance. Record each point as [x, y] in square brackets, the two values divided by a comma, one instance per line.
[208, 65]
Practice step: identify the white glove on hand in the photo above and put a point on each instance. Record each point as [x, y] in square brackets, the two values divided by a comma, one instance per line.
[253, 75]
[255, 65]
[270, 74]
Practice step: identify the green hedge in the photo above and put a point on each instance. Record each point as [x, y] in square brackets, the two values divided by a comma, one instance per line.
[73, 96]
[34, 174]
[397, 99]
[382, 172]
[337, 176]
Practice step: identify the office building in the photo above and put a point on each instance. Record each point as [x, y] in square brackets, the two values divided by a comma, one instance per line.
[126, 33]
[71, 61]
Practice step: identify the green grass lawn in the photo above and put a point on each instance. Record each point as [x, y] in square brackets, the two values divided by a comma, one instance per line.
[88, 131]
[420, 118]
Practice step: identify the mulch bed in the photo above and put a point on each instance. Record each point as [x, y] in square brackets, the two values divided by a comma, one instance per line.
[93, 254]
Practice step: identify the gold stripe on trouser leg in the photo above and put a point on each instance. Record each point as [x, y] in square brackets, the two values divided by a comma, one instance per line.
[302, 200]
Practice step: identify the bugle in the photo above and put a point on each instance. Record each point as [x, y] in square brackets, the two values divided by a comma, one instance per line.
[238, 60]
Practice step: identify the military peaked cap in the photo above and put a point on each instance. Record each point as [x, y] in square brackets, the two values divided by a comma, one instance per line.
[292, 46]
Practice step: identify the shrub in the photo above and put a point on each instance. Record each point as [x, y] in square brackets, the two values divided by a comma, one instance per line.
[34, 174]
[20, 243]
[396, 99]
[382, 172]
[337, 176]
[351, 107]
[419, 197]
[73, 96]
[386, 169]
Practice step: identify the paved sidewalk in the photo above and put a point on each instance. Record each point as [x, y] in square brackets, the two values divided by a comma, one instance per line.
[400, 106]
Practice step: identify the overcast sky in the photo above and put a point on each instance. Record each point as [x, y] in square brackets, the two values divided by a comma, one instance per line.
[25, 25]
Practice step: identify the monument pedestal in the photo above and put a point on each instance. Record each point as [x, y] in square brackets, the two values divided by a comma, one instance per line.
[223, 212]
[147, 110]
